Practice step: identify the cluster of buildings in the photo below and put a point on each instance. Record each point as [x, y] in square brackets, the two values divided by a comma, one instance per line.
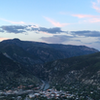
[50, 93]
[37, 92]
[15, 92]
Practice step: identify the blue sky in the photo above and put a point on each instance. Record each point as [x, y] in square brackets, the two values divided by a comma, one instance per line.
[75, 22]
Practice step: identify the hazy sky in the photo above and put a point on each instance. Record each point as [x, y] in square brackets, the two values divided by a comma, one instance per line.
[74, 22]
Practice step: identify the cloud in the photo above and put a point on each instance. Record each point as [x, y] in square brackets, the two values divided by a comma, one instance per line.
[54, 30]
[57, 38]
[1, 31]
[86, 33]
[12, 22]
[96, 5]
[25, 28]
[49, 31]
[83, 16]
[56, 24]
[94, 20]
[98, 1]
[88, 18]
[13, 29]
[76, 37]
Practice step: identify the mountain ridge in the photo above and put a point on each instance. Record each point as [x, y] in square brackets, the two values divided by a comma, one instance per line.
[48, 52]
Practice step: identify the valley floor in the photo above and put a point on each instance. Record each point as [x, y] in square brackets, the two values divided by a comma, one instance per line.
[72, 92]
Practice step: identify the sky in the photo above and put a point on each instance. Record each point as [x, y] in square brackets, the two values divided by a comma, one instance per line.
[75, 22]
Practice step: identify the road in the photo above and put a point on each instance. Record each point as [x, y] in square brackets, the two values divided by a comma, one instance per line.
[45, 85]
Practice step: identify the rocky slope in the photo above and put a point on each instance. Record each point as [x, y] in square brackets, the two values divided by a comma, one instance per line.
[83, 70]
[13, 74]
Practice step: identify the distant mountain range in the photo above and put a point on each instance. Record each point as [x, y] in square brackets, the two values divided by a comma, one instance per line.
[29, 52]
[26, 62]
